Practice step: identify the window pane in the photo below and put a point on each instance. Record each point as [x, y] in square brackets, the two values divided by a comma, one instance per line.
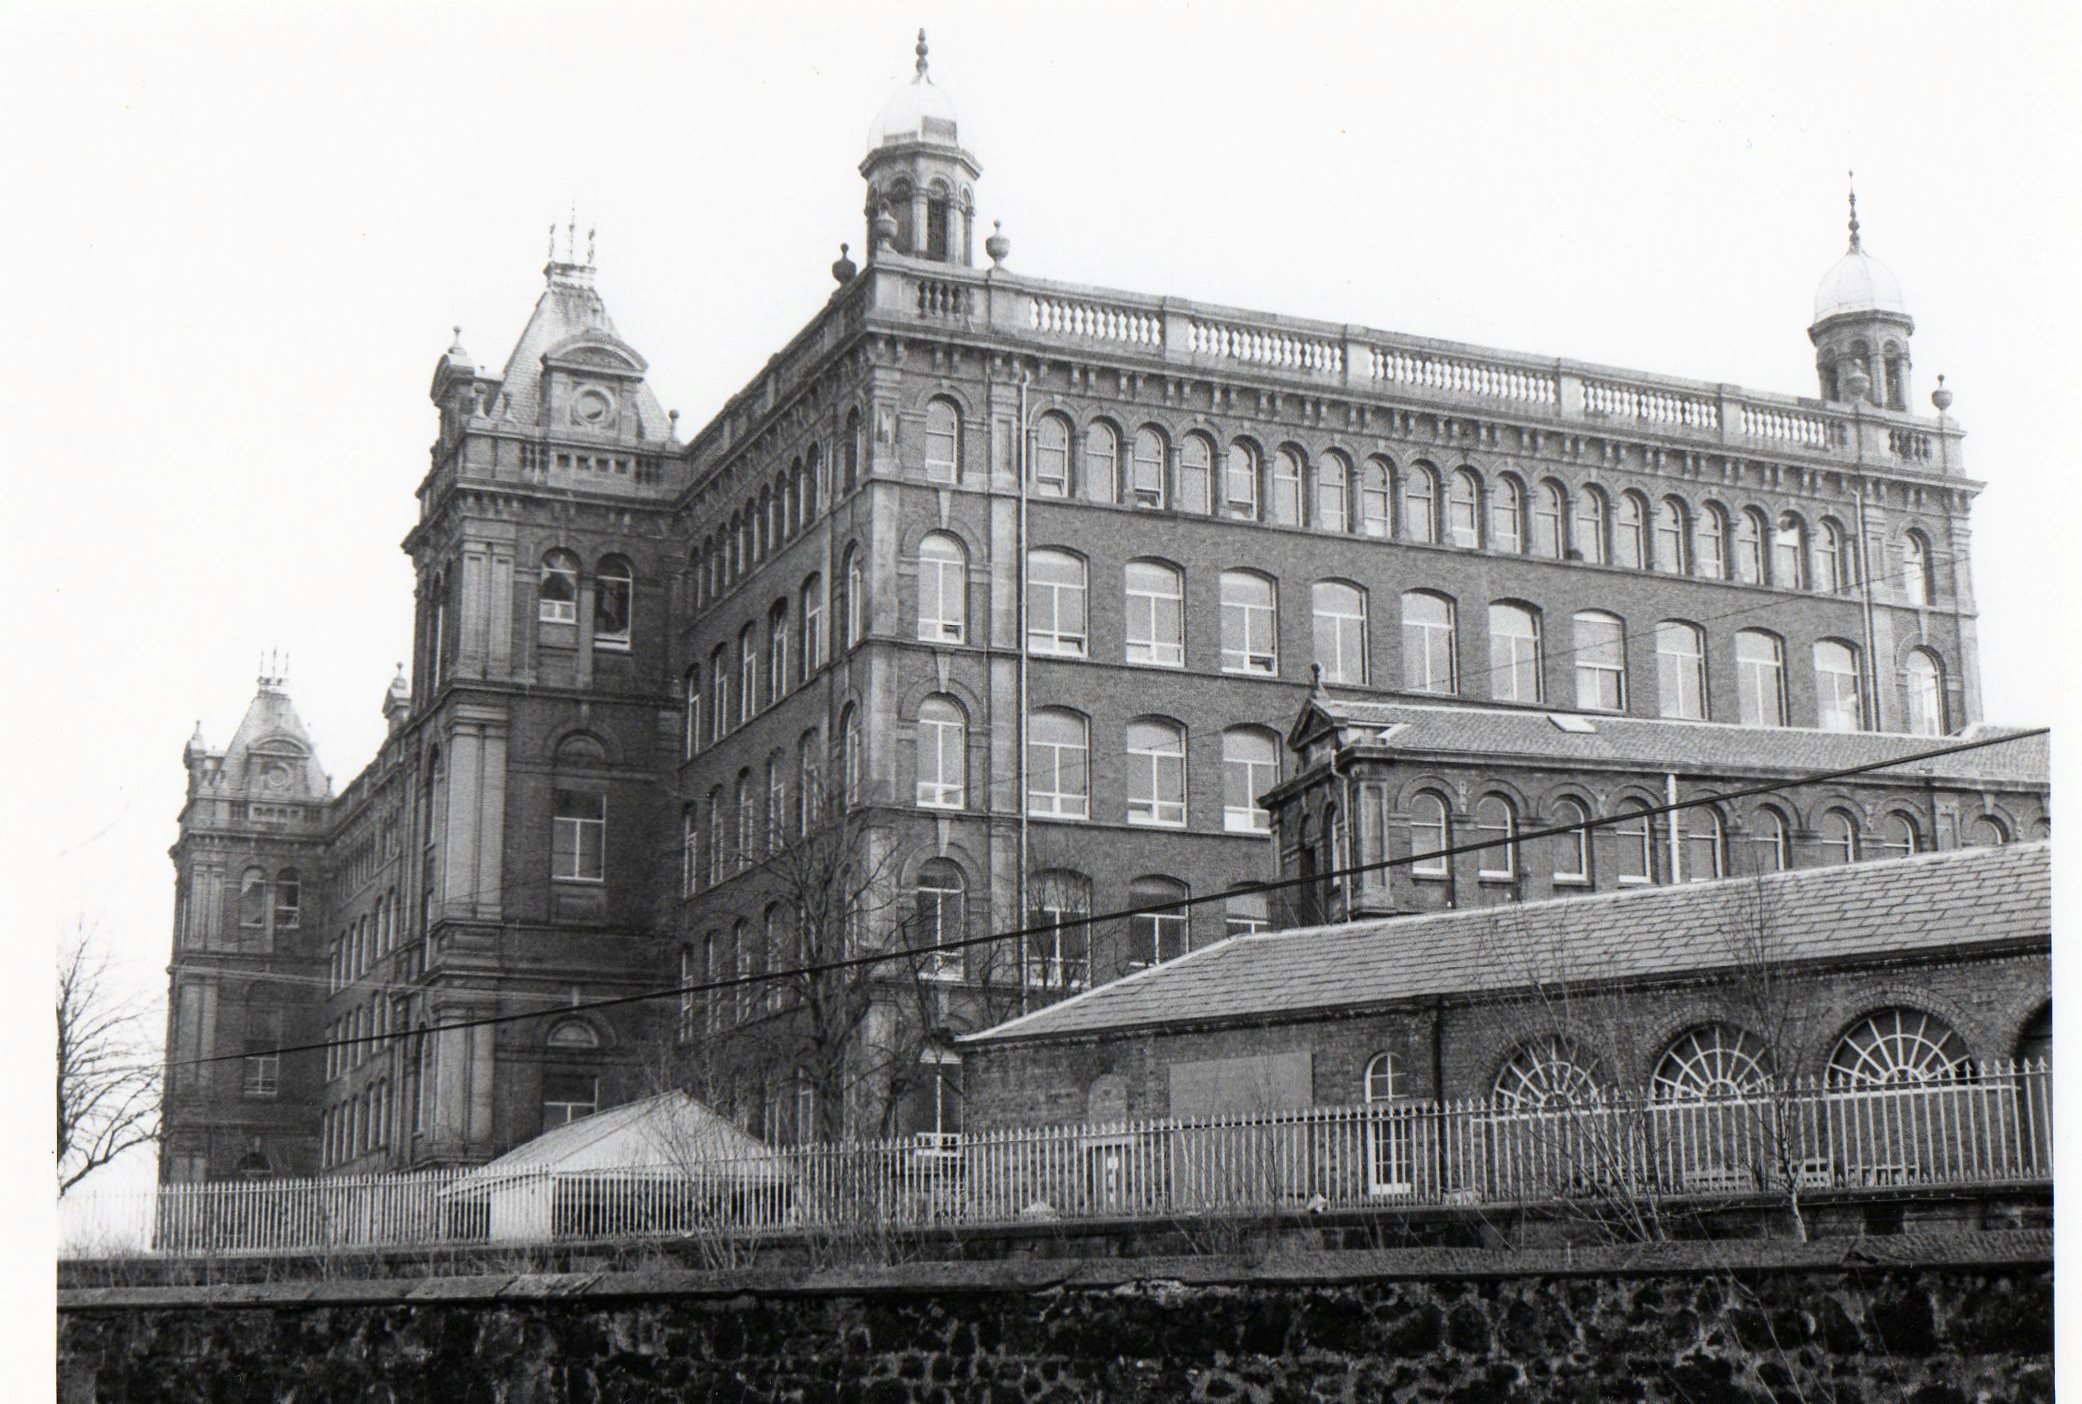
[1250, 767]
[1420, 520]
[1340, 632]
[1373, 498]
[942, 442]
[1146, 474]
[1464, 509]
[1837, 703]
[1155, 624]
[1247, 624]
[1760, 678]
[1240, 482]
[1332, 480]
[1056, 764]
[1680, 661]
[1051, 471]
[1156, 773]
[1507, 516]
[1055, 604]
[942, 755]
[1427, 643]
[1514, 654]
[1101, 463]
[1601, 665]
[942, 589]
[1195, 472]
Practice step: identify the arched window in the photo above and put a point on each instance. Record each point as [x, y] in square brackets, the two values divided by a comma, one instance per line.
[1760, 678]
[1249, 637]
[745, 808]
[1055, 604]
[1750, 532]
[1156, 772]
[849, 474]
[2035, 1040]
[556, 597]
[942, 753]
[1789, 553]
[1672, 538]
[1146, 469]
[806, 488]
[1250, 767]
[1333, 493]
[1923, 679]
[1420, 504]
[1059, 941]
[289, 900]
[1376, 490]
[853, 607]
[1838, 703]
[1898, 837]
[1496, 829]
[1284, 508]
[1464, 509]
[852, 764]
[747, 673]
[1388, 1139]
[1633, 843]
[1240, 482]
[1195, 474]
[1630, 532]
[719, 693]
[1102, 454]
[943, 589]
[1837, 837]
[1987, 831]
[1916, 585]
[690, 850]
[1158, 935]
[1591, 518]
[1507, 515]
[777, 652]
[718, 831]
[1704, 846]
[1710, 542]
[1770, 846]
[1898, 1047]
[1514, 653]
[812, 626]
[1245, 914]
[1716, 1060]
[1340, 631]
[1429, 661]
[1601, 662]
[1155, 626]
[1680, 670]
[942, 441]
[809, 781]
[1052, 457]
[1836, 564]
[941, 920]
[690, 714]
[1550, 517]
[1058, 764]
[1547, 1075]
[1430, 836]
[1571, 846]
[776, 802]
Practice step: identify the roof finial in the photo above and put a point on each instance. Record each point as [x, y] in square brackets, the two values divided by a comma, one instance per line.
[592, 234]
[1850, 178]
[571, 235]
[552, 254]
[921, 54]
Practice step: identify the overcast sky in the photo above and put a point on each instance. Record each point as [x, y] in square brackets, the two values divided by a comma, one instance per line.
[240, 235]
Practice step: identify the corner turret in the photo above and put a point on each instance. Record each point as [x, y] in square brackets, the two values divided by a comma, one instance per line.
[1861, 329]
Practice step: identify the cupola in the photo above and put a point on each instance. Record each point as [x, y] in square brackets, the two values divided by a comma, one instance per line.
[1861, 329]
[919, 175]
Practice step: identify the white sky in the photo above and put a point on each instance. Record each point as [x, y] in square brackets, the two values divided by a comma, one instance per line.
[240, 234]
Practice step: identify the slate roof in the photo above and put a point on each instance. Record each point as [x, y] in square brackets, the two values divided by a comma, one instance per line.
[1956, 898]
[568, 308]
[1712, 748]
[272, 730]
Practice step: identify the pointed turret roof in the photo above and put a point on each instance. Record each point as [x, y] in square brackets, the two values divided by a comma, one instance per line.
[570, 321]
[271, 741]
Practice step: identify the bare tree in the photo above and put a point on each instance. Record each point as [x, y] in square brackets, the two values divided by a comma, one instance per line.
[108, 1067]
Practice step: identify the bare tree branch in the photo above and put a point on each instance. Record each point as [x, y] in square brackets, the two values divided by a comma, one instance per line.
[108, 1087]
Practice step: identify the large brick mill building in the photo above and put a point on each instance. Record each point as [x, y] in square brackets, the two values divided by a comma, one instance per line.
[990, 603]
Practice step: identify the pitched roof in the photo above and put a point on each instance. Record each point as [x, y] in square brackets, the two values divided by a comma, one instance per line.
[670, 1131]
[1713, 748]
[270, 731]
[1952, 899]
[570, 309]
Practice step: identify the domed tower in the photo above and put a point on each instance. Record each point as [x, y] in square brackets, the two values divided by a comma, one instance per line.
[921, 196]
[1861, 329]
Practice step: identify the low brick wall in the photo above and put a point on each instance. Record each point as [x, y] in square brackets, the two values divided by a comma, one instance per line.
[1937, 1320]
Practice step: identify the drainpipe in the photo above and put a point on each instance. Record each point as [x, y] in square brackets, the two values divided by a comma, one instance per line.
[1019, 570]
[1676, 842]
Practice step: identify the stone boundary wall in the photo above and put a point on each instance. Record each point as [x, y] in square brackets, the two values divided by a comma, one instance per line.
[1925, 1319]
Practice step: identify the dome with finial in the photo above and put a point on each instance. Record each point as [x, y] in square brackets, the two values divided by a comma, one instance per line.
[919, 111]
[1858, 283]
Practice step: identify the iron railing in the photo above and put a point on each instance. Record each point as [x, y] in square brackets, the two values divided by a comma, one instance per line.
[1991, 1128]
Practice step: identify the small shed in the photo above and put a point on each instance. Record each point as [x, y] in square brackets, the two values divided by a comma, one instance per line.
[666, 1163]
